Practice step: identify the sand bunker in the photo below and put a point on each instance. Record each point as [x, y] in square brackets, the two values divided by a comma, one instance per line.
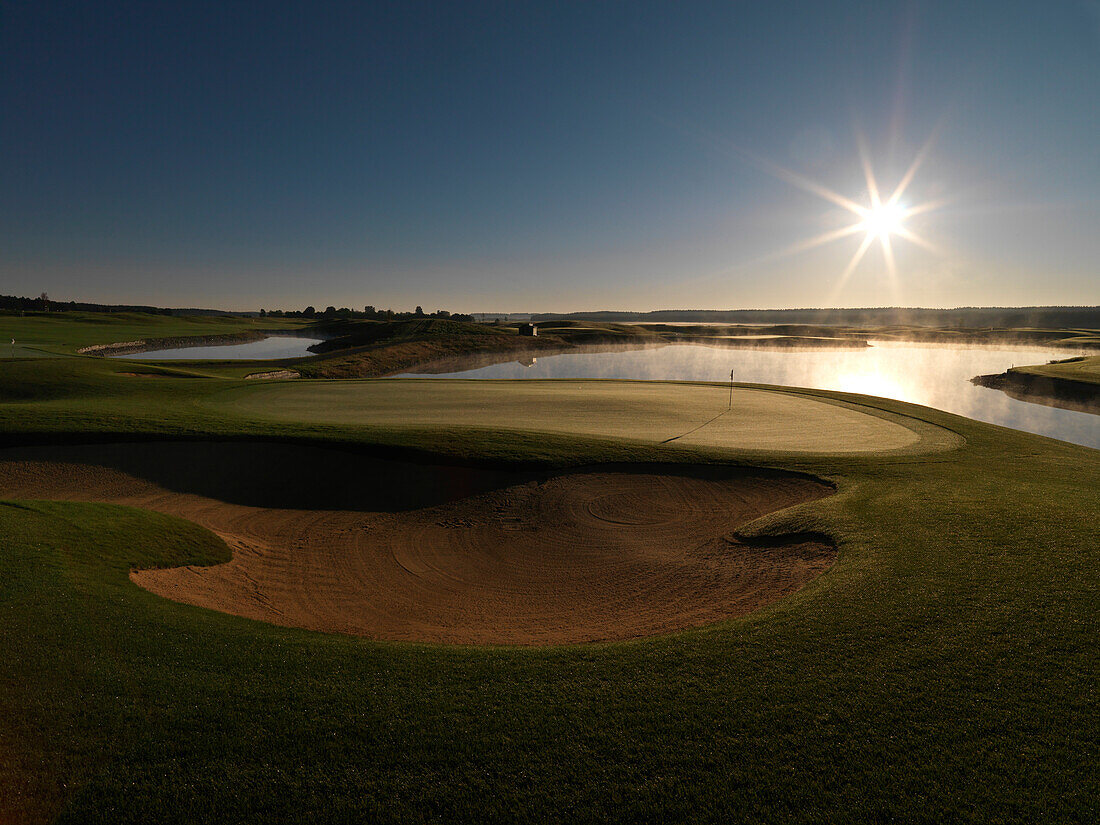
[444, 554]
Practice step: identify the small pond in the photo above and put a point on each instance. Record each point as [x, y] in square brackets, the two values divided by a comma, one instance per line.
[934, 375]
[271, 348]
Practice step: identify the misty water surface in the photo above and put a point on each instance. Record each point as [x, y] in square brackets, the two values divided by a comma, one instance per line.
[934, 375]
[273, 347]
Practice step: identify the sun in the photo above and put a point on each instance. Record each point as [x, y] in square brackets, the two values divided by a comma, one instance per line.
[884, 219]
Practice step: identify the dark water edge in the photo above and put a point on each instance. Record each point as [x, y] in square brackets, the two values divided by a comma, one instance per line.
[1041, 389]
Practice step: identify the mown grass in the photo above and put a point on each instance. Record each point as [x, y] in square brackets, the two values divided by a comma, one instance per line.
[648, 412]
[66, 332]
[1085, 369]
[943, 670]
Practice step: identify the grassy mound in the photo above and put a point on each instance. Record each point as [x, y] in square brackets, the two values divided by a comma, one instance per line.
[349, 334]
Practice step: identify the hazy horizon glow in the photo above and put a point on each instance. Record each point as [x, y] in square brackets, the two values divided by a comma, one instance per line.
[551, 157]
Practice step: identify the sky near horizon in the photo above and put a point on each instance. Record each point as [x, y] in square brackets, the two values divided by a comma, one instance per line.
[552, 156]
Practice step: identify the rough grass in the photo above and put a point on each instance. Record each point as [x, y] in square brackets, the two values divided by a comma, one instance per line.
[389, 357]
[348, 334]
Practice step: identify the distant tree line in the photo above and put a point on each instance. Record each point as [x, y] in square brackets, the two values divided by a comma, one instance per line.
[368, 312]
[43, 303]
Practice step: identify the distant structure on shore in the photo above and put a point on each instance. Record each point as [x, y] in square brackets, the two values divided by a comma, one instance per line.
[530, 330]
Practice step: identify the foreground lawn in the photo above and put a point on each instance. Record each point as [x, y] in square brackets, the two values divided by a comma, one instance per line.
[943, 670]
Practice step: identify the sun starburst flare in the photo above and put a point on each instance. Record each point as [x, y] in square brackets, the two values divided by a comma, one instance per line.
[878, 220]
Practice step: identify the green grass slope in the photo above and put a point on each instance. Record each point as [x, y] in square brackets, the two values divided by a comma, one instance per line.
[1084, 369]
[943, 670]
[66, 332]
[1072, 383]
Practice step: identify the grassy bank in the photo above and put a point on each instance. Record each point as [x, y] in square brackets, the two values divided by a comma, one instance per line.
[1083, 369]
[1072, 383]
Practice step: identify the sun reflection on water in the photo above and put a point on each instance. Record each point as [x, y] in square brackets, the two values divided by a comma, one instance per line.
[933, 375]
[873, 383]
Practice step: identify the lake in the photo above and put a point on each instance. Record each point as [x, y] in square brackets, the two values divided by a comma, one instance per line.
[271, 348]
[934, 375]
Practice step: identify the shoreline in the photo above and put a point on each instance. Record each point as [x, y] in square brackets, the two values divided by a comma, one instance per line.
[187, 341]
[1063, 393]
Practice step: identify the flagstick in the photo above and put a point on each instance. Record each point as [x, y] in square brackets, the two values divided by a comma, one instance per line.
[730, 407]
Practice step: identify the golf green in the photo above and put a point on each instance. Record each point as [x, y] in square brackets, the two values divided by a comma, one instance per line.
[698, 415]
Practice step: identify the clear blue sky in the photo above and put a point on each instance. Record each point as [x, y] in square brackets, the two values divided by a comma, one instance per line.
[544, 156]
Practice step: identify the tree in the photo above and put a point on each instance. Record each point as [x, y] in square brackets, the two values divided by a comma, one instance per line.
[368, 310]
[419, 312]
[310, 312]
[330, 312]
[263, 312]
[45, 299]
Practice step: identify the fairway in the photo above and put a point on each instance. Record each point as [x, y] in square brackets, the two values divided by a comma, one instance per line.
[18, 351]
[653, 412]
